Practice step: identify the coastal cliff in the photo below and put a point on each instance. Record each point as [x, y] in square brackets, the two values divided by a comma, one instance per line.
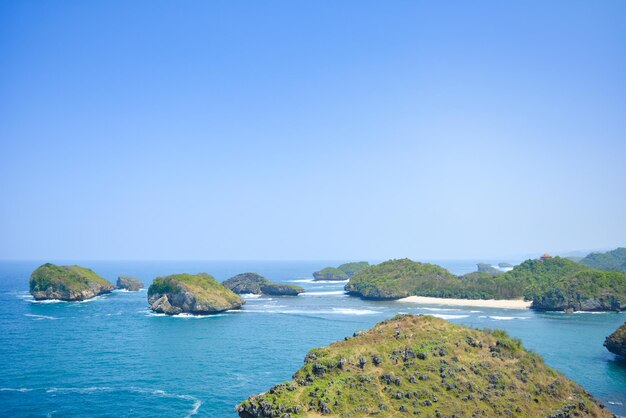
[616, 342]
[198, 294]
[424, 366]
[132, 284]
[253, 283]
[68, 283]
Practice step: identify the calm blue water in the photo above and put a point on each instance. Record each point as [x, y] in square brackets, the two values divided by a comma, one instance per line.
[111, 357]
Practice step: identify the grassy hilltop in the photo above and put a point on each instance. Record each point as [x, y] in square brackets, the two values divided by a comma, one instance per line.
[421, 365]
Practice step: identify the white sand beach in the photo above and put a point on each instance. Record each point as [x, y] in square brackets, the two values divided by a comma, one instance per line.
[485, 303]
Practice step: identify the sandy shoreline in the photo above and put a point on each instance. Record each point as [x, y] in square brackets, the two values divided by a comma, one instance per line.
[485, 303]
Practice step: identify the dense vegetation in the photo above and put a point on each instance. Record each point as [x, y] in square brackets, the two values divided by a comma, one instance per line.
[353, 268]
[424, 366]
[552, 284]
[616, 342]
[343, 272]
[50, 281]
[612, 260]
[254, 283]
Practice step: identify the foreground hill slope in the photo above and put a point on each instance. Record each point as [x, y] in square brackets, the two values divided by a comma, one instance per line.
[69, 283]
[424, 366]
[197, 294]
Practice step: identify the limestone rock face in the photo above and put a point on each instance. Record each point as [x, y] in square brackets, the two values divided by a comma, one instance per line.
[129, 283]
[198, 294]
[616, 342]
[68, 283]
[253, 283]
[424, 366]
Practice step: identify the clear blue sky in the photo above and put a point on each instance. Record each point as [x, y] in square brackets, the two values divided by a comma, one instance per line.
[311, 130]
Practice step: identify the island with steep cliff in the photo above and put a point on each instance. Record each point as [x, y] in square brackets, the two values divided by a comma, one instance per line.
[67, 283]
[424, 366]
[198, 294]
[253, 283]
[342, 272]
[130, 283]
[554, 284]
[616, 342]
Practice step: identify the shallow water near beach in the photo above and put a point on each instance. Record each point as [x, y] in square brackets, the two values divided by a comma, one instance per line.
[111, 357]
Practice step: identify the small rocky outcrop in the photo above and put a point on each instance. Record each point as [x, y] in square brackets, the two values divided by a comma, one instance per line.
[616, 342]
[198, 294]
[424, 366]
[330, 273]
[488, 268]
[68, 283]
[132, 284]
[343, 272]
[253, 283]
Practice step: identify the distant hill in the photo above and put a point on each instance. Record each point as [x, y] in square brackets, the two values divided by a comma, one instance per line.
[614, 260]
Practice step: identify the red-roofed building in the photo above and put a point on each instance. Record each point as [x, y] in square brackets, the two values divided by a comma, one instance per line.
[546, 256]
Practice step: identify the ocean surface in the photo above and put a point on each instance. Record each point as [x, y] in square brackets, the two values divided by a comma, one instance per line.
[111, 357]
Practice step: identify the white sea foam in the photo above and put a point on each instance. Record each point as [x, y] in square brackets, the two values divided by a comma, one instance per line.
[328, 293]
[331, 281]
[332, 311]
[351, 311]
[506, 318]
[441, 309]
[46, 301]
[183, 315]
[249, 296]
[40, 317]
[444, 316]
[302, 281]
[197, 403]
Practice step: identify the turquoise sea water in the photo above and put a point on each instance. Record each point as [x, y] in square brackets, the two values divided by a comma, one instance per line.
[111, 357]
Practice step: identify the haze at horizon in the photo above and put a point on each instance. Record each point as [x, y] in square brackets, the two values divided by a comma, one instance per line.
[359, 130]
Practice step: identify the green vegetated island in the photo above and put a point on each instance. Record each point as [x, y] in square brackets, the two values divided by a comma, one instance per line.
[424, 366]
[198, 294]
[67, 283]
[253, 283]
[343, 272]
[551, 283]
